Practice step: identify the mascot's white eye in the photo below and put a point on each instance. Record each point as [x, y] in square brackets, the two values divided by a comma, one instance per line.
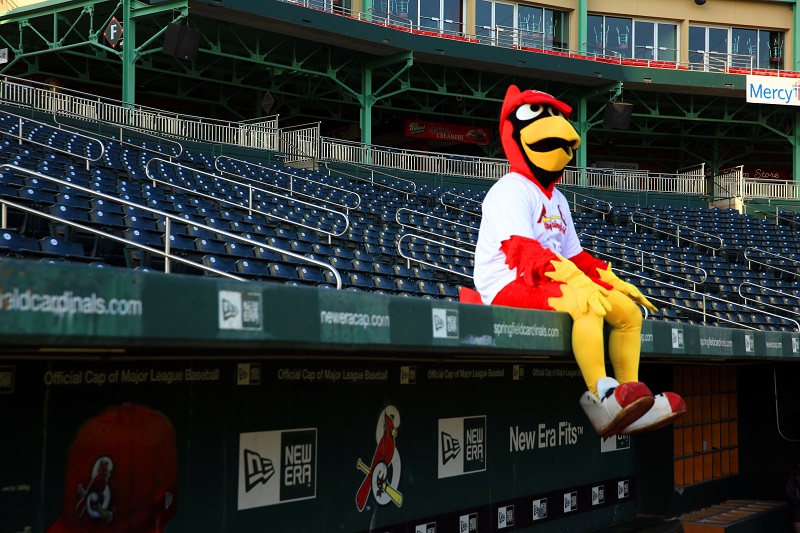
[555, 112]
[529, 112]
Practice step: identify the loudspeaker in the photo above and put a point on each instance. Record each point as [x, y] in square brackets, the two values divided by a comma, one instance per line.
[618, 115]
[181, 42]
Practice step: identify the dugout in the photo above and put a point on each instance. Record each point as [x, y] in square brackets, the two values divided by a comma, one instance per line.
[257, 403]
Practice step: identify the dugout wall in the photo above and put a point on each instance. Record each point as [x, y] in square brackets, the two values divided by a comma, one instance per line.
[246, 406]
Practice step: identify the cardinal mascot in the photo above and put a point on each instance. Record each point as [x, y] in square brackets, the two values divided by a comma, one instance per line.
[528, 255]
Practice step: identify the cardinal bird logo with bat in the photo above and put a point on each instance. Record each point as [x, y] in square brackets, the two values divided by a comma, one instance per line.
[382, 474]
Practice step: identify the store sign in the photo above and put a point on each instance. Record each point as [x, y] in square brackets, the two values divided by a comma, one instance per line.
[422, 129]
[773, 90]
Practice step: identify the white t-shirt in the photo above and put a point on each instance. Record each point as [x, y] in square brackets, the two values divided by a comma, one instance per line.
[517, 206]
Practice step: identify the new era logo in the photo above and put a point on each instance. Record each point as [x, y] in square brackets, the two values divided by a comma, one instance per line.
[450, 447]
[598, 495]
[677, 338]
[248, 374]
[505, 517]
[623, 489]
[540, 509]
[570, 501]
[239, 310]
[468, 523]
[408, 375]
[426, 528]
[445, 323]
[257, 469]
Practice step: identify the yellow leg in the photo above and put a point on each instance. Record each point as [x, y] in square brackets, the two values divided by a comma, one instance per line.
[587, 337]
[624, 342]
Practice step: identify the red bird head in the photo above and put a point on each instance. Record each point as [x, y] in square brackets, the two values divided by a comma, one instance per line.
[537, 138]
[388, 426]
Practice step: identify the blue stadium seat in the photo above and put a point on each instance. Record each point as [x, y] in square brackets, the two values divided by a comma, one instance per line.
[224, 264]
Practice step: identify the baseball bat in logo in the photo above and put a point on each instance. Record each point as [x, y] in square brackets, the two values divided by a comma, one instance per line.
[277, 467]
[382, 475]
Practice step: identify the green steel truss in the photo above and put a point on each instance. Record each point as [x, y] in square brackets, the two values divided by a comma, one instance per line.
[346, 86]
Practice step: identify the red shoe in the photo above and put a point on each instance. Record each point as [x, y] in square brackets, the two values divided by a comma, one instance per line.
[667, 408]
[619, 405]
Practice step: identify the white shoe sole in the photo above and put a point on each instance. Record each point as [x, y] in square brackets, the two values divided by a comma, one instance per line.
[608, 417]
[658, 416]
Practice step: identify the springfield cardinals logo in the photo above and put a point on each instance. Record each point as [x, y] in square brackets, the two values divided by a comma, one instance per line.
[95, 497]
[552, 222]
[382, 475]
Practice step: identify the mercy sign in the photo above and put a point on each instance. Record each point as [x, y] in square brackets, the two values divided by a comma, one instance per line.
[773, 90]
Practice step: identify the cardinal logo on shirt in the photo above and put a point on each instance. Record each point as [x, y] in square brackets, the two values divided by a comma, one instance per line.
[554, 222]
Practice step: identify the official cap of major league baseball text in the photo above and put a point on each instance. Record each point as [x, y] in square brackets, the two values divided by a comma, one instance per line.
[121, 474]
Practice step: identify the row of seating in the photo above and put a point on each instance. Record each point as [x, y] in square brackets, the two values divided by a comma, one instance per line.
[366, 254]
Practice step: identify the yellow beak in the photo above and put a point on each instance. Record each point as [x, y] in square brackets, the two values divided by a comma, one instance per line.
[550, 143]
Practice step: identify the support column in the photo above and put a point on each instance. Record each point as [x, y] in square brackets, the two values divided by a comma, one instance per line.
[796, 150]
[794, 57]
[128, 54]
[583, 130]
[583, 23]
[367, 100]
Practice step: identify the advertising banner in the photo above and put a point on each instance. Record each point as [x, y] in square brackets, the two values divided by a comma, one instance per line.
[295, 445]
[772, 90]
[423, 129]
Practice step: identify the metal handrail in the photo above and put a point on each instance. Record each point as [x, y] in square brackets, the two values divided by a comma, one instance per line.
[292, 177]
[705, 298]
[66, 91]
[20, 138]
[703, 273]
[590, 207]
[169, 220]
[249, 205]
[677, 234]
[432, 265]
[457, 208]
[751, 284]
[753, 260]
[372, 181]
[769, 289]
[122, 141]
[402, 224]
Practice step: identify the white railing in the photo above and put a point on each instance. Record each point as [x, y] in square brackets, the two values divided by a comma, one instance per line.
[414, 160]
[74, 104]
[301, 143]
[759, 188]
[729, 182]
[633, 180]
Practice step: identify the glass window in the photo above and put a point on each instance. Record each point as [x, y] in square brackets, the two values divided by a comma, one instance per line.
[451, 11]
[644, 40]
[483, 20]
[597, 35]
[717, 58]
[529, 22]
[618, 37]
[697, 46]
[504, 24]
[744, 45]
[667, 42]
[775, 49]
[509, 24]
[429, 14]
[556, 29]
